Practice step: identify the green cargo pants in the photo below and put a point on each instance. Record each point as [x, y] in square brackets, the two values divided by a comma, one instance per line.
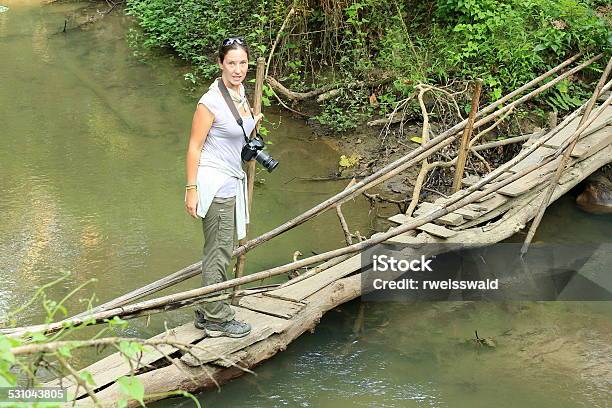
[219, 228]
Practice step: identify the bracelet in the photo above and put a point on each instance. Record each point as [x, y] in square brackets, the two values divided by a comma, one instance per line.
[191, 187]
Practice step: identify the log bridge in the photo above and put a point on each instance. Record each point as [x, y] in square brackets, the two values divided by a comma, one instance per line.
[486, 210]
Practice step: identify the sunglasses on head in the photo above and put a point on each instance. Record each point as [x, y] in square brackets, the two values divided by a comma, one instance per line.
[234, 40]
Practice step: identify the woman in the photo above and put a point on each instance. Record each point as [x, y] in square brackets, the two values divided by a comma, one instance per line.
[216, 183]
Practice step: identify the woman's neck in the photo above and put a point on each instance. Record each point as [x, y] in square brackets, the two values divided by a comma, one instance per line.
[229, 85]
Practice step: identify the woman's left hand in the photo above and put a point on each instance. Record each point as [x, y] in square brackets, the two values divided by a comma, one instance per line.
[258, 117]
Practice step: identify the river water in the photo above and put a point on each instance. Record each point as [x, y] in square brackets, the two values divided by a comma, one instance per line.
[91, 170]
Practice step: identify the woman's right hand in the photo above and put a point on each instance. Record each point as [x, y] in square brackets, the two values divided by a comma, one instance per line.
[191, 202]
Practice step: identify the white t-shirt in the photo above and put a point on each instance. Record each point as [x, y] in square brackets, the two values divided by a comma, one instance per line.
[225, 138]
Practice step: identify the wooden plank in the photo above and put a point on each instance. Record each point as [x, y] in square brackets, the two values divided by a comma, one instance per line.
[535, 136]
[561, 136]
[400, 218]
[593, 143]
[212, 349]
[430, 228]
[285, 309]
[437, 230]
[530, 180]
[448, 219]
[524, 184]
[232, 359]
[490, 202]
[534, 157]
[114, 366]
[478, 207]
[599, 123]
[568, 176]
[468, 212]
[473, 179]
[426, 207]
[485, 198]
[307, 287]
[406, 238]
[473, 207]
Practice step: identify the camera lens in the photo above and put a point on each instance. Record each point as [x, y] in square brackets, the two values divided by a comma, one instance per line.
[266, 161]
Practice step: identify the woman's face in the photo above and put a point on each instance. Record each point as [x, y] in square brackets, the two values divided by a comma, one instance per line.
[234, 66]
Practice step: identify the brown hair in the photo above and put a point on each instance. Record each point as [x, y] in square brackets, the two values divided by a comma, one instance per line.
[235, 43]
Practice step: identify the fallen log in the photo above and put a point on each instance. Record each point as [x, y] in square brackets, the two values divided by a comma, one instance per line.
[504, 142]
[180, 377]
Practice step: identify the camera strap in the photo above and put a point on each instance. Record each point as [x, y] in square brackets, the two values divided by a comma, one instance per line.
[232, 107]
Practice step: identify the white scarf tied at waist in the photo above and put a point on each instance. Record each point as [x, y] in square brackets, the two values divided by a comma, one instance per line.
[212, 174]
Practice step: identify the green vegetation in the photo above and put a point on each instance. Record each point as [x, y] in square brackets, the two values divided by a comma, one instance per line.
[23, 358]
[504, 42]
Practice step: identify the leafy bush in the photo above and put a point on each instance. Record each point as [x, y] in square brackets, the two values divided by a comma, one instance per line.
[507, 43]
[504, 42]
[194, 29]
[23, 356]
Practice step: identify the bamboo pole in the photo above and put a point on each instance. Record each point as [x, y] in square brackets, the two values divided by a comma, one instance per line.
[366, 183]
[259, 78]
[465, 138]
[503, 142]
[190, 297]
[566, 156]
[319, 268]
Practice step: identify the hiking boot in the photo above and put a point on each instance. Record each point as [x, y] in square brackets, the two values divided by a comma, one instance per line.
[200, 320]
[233, 328]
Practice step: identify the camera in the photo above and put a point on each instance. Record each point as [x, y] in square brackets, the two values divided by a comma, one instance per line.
[254, 150]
